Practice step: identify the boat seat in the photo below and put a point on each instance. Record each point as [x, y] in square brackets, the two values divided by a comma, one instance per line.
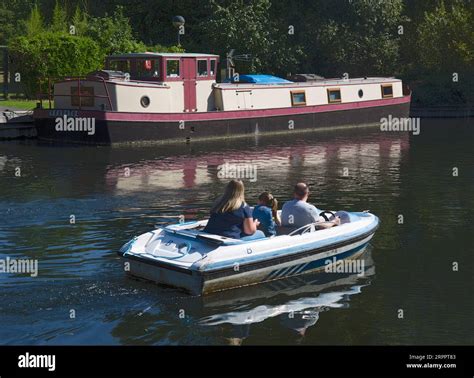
[217, 239]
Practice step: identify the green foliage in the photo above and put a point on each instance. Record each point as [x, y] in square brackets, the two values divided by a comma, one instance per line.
[80, 21]
[446, 39]
[363, 40]
[53, 55]
[13, 16]
[165, 49]
[6, 24]
[114, 34]
[59, 20]
[445, 46]
[359, 37]
[247, 27]
[34, 23]
[435, 89]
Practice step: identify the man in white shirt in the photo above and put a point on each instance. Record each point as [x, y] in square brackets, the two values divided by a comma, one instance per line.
[298, 212]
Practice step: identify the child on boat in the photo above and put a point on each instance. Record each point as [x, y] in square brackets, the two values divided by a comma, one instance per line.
[267, 214]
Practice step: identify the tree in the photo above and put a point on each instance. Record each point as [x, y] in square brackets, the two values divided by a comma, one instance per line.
[59, 20]
[246, 26]
[6, 24]
[445, 55]
[446, 39]
[51, 54]
[34, 23]
[114, 34]
[360, 38]
[80, 21]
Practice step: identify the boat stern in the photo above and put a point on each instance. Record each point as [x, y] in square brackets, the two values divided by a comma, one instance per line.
[167, 258]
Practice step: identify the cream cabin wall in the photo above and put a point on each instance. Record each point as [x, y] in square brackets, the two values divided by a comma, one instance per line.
[165, 99]
[125, 96]
[205, 96]
[63, 99]
[247, 97]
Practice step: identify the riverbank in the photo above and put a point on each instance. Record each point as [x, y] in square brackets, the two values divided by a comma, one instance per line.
[17, 104]
[442, 111]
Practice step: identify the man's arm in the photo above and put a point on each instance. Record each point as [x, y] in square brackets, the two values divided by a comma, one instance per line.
[329, 224]
[315, 215]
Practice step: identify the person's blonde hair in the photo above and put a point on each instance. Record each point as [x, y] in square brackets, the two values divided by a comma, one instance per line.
[232, 199]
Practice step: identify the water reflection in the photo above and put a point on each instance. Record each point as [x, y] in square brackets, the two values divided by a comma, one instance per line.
[345, 157]
[296, 302]
[229, 316]
[388, 173]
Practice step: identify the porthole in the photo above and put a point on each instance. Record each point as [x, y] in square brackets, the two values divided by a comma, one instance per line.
[145, 101]
[361, 93]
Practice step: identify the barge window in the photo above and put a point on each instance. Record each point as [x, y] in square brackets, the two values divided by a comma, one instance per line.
[87, 96]
[298, 98]
[145, 101]
[119, 65]
[172, 68]
[213, 67]
[387, 90]
[334, 95]
[202, 67]
[147, 68]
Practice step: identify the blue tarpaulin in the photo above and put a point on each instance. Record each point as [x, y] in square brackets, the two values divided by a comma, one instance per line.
[259, 79]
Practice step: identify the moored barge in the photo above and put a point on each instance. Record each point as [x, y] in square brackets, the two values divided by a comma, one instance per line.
[169, 97]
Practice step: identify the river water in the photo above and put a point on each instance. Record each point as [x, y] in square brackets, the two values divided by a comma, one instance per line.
[418, 283]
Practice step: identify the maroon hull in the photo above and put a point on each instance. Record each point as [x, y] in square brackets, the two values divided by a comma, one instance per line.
[115, 127]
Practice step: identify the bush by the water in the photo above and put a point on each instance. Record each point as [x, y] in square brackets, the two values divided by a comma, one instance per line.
[52, 54]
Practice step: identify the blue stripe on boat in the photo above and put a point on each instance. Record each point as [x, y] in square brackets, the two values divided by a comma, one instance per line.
[301, 268]
[294, 269]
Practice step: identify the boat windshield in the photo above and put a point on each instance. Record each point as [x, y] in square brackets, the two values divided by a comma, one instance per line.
[138, 68]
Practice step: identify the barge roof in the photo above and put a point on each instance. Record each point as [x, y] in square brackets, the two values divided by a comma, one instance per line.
[324, 82]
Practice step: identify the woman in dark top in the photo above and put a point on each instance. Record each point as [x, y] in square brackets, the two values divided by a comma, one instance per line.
[232, 217]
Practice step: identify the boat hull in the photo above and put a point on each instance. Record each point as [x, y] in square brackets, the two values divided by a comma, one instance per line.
[205, 282]
[118, 127]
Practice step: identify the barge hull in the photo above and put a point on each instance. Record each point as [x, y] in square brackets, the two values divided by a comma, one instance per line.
[119, 128]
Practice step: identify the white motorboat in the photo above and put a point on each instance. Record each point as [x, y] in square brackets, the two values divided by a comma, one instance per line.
[184, 256]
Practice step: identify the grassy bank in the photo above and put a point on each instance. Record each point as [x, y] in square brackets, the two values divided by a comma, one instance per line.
[18, 104]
